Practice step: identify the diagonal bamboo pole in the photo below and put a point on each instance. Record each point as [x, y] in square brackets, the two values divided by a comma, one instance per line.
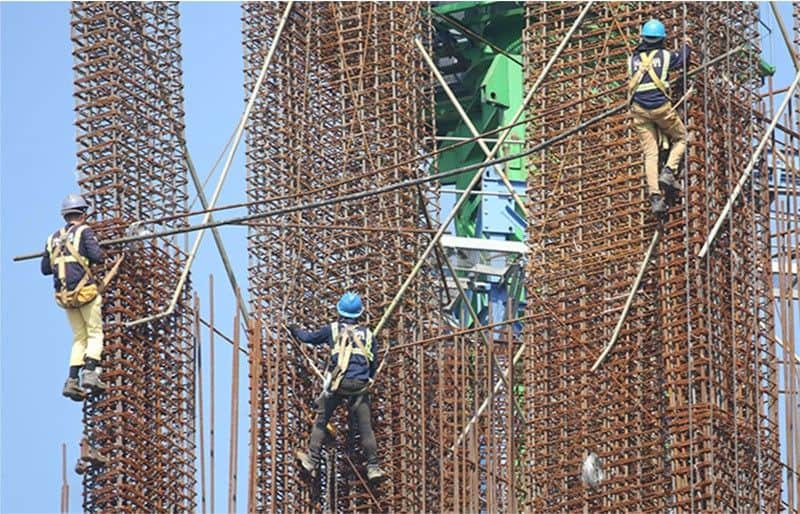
[228, 161]
[393, 305]
[468, 122]
[647, 256]
[712, 235]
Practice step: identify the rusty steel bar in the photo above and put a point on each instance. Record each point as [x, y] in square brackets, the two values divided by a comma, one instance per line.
[223, 253]
[233, 448]
[129, 115]
[220, 182]
[64, 482]
[200, 413]
[350, 68]
[660, 404]
[745, 176]
[635, 287]
[476, 178]
[213, 390]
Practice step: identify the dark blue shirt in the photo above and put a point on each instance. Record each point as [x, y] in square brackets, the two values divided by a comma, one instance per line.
[358, 368]
[87, 247]
[655, 98]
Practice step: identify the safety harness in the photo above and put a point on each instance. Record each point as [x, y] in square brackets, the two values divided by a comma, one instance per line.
[62, 250]
[646, 66]
[348, 340]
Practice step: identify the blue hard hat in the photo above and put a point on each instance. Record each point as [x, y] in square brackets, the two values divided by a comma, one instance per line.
[350, 305]
[654, 29]
[74, 203]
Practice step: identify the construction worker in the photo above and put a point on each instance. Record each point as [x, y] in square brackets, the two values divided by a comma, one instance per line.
[351, 372]
[651, 109]
[68, 254]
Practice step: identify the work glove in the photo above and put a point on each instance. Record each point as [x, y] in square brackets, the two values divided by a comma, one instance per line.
[293, 329]
[370, 383]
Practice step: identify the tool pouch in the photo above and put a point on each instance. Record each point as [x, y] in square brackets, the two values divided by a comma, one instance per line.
[78, 297]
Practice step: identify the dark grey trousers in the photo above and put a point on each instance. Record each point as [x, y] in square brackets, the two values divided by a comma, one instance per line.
[358, 408]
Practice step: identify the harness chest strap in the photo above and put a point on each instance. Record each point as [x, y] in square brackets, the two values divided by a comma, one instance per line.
[351, 334]
[60, 260]
[646, 66]
[344, 349]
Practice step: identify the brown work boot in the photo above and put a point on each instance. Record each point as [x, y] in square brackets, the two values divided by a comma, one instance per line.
[73, 390]
[92, 455]
[374, 472]
[82, 467]
[92, 382]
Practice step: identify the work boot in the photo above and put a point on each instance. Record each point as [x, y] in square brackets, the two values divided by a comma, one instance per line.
[374, 472]
[90, 454]
[667, 181]
[73, 390]
[82, 467]
[306, 461]
[93, 382]
[658, 205]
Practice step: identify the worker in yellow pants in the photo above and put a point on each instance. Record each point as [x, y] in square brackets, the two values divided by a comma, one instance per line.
[652, 112]
[87, 329]
[68, 255]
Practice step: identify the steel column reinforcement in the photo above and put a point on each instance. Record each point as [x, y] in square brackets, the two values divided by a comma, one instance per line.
[129, 118]
[680, 409]
[345, 94]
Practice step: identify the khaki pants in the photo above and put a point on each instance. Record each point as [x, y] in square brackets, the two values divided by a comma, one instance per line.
[87, 329]
[647, 123]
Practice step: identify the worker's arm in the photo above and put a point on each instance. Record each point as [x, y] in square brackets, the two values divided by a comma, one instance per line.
[321, 336]
[677, 59]
[90, 248]
[45, 265]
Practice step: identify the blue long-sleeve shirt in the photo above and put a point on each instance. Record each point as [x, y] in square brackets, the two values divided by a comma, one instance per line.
[87, 247]
[359, 368]
[655, 98]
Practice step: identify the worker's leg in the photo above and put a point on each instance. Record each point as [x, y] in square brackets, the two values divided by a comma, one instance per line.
[72, 388]
[79, 337]
[325, 407]
[92, 314]
[671, 125]
[648, 137]
[359, 409]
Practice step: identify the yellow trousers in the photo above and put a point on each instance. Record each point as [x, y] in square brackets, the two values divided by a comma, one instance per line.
[87, 330]
[647, 123]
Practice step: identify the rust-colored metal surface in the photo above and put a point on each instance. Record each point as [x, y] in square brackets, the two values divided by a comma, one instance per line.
[129, 119]
[681, 412]
[694, 409]
[345, 95]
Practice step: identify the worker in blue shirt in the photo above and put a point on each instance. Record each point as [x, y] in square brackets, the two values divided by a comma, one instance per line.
[351, 370]
[651, 109]
[69, 252]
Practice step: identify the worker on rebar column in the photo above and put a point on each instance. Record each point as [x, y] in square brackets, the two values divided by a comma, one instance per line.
[351, 371]
[651, 109]
[68, 255]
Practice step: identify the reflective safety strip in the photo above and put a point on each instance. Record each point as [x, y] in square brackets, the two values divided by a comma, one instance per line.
[646, 66]
[362, 342]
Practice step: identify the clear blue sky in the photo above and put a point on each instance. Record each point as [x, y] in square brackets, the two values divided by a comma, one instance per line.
[37, 168]
[37, 152]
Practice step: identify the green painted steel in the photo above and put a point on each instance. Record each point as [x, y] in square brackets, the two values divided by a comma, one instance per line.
[488, 83]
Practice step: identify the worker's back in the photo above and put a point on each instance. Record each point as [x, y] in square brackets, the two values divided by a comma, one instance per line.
[84, 242]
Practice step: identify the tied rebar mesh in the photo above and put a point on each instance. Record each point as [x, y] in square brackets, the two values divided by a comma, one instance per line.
[346, 94]
[129, 119]
[679, 410]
